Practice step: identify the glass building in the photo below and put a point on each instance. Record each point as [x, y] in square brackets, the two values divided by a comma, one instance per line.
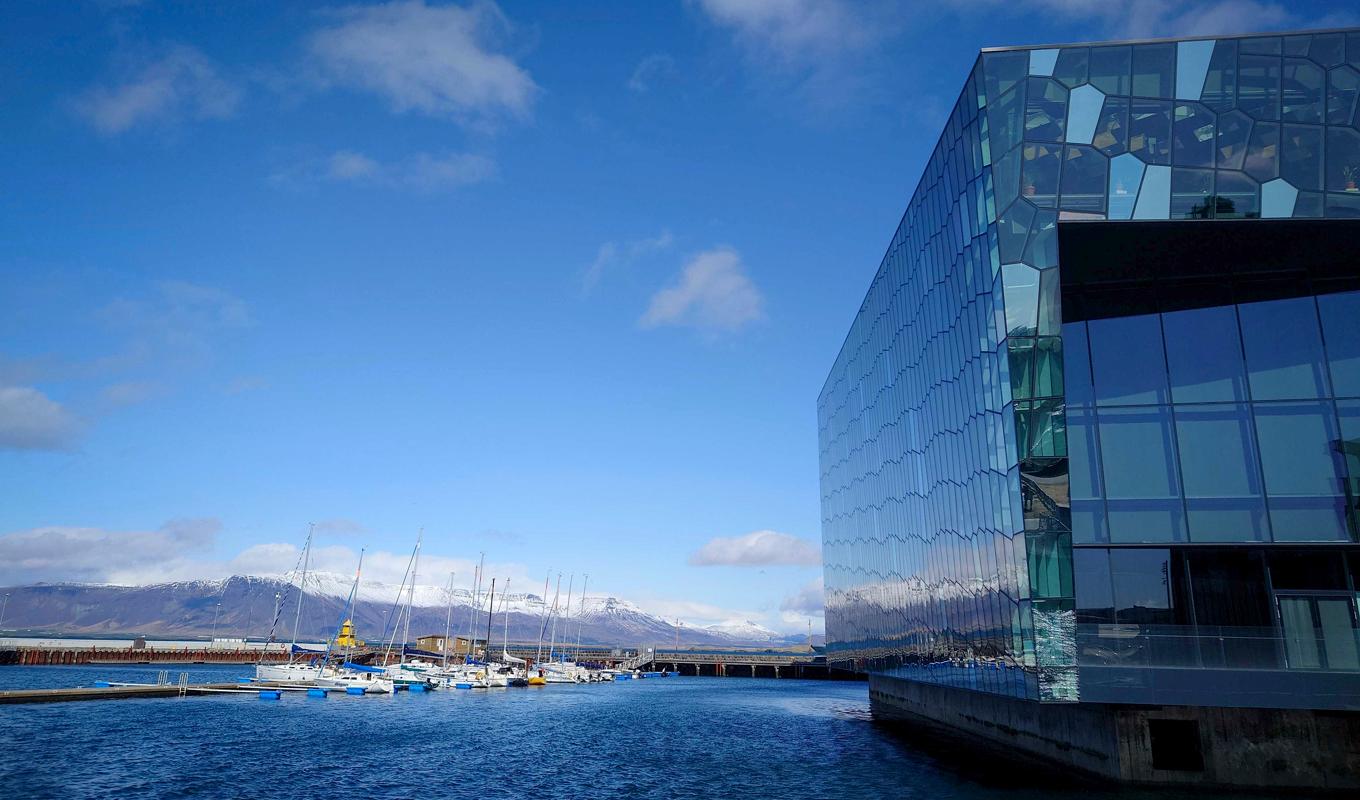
[1094, 434]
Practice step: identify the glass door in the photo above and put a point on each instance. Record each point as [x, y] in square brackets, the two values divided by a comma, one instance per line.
[1320, 631]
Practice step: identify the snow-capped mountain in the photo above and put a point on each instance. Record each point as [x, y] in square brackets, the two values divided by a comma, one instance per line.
[246, 605]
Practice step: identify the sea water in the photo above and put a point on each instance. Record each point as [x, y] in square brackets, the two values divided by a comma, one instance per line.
[709, 738]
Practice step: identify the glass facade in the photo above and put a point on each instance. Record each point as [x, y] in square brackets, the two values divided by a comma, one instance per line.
[1002, 489]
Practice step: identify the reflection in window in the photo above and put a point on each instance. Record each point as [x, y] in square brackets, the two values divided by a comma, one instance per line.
[1110, 69]
[1234, 128]
[1150, 131]
[1218, 471]
[1301, 163]
[1191, 194]
[1343, 160]
[1094, 588]
[1141, 483]
[1071, 66]
[1194, 136]
[1076, 365]
[1301, 91]
[1343, 86]
[1348, 412]
[1220, 85]
[1258, 89]
[1204, 355]
[1154, 70]
[1083, 470]
[1046, 110]
[1112, 131]
[1283, 349]
[1084, 179]
[1128, 361]
[1340, 315]
[1141, 579]
[1039, 174]
[1302, 470]
[1263, 152]
[1236, 196]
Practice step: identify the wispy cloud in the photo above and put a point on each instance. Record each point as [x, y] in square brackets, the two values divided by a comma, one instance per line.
[130, 393]
[614, 255]
[1145, 18]
[649, 70]
[423, 172]
[443, 61]
[176, 322]
[64, 553]
[757, 549]
[712, 293]
[30, 420]
[795, 31]
[809, 600]
[182, 83]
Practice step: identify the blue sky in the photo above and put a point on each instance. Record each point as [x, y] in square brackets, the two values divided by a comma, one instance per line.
[557, 282]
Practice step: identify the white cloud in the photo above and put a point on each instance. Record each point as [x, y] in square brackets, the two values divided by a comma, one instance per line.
[649, 70]
[182, 83]
[612, 255]
[443, 61]
[176, 322]
[793, 31]
[758, 549]
[713, 293]
[30, 420]
[64, 553]
[422, 172]
[130, 393]
[808, 601]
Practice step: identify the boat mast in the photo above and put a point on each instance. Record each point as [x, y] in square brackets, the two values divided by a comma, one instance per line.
[344, 615]
[411, 596]
[543, 627]
[448, 623]
[580, 618]
[552, 645]
[395, 620]
[302, 587]
[490, 609]
[505, 606]
[476, 606]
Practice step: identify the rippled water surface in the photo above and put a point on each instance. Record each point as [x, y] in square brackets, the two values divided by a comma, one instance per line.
[668, 738]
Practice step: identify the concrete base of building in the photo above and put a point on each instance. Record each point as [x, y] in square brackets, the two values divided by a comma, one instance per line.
[1255, 748]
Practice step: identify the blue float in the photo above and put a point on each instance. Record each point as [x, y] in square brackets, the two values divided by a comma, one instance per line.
[417, 687]
[102, 684]
[462, 686]
[270, 694]
[354, 690]
[316, 692]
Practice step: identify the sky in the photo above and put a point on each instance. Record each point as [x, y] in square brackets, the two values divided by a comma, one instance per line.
[554, 282]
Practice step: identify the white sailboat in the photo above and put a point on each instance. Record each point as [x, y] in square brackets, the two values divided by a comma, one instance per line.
[295, 670]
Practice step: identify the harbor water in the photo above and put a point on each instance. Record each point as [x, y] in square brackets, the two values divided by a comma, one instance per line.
[665, 737]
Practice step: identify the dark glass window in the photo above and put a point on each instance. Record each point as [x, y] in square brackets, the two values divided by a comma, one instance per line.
[1298, 571]
[1218, 471]
[1039, 173]
[1095, 591]
[1150, 131]
[1154, 70]
[1263, 152]
[1302, 91]
[1140, 476]
[1112, 131]
[1048, 367]
[1258, 88]
[1071, 66]
[1046, 110]
[1236, 196]
[1343, 160]
[1110, 69]
[1194, 136]
[1302, 470]
[1128, 360]
[1301, 162]
[1341, 332]
[1234, 128]
[1220, 84]
[1343, 85]
[1191, 193]
[1004, 70]
[1283, 349]
[1229, 588]
[1084, 179]
[1348, 413]
[1141, 579]
[1204, 355]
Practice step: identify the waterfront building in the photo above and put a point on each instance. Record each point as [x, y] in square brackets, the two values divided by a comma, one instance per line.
[1090, 452]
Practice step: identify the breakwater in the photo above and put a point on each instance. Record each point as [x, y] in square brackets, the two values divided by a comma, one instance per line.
[68, 656]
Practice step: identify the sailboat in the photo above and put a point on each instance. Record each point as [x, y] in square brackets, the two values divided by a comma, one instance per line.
[407, 671]
[298, 669]
[370, 680]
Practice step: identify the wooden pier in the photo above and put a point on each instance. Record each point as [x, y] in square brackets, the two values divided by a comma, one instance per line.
[116, 692]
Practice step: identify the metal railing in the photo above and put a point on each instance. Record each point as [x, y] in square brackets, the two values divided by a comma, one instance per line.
[1247, 648]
